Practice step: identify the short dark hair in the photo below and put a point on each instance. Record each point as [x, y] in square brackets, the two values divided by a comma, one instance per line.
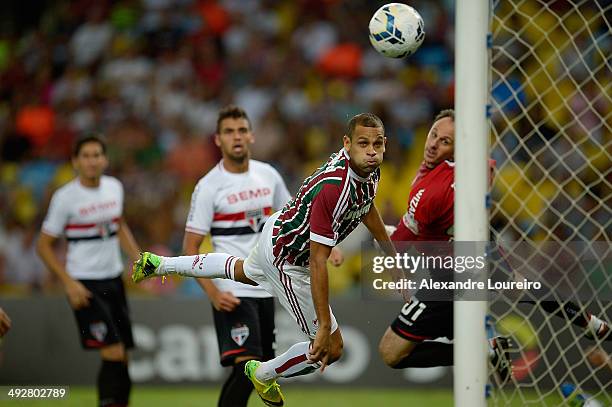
[365, 120]
[88, 139]
[233, 112]
[445, 113]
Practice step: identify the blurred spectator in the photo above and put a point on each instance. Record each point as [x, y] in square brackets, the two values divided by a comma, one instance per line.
[36, 123]
[190, 157]
[19, 263]
[90, 40]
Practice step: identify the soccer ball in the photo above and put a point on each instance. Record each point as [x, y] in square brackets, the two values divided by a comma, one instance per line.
[396, 30]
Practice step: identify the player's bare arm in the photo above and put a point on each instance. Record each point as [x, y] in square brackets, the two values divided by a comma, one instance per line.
[221, 300]
[376, 226]
[127, 241]
[319, 253]
[78, 295]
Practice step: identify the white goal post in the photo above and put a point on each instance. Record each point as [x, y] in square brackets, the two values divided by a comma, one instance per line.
[534, 92]
[471, 186]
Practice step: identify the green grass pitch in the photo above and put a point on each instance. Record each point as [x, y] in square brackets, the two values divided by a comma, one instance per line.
[297, 396]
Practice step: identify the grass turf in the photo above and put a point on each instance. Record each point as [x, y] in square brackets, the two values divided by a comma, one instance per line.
[297, 396]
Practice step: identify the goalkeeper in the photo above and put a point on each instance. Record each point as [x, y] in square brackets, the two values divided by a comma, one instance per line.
[408, 342]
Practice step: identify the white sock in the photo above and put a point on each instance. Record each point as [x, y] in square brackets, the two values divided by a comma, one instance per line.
[294, 362]
[210, 265]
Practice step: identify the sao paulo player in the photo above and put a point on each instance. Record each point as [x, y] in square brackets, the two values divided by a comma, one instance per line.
[231, 203]
[430, 217]
[88, 212]
[290, 258]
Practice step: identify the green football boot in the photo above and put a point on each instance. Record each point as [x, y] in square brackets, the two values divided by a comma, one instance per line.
[145, 266]
[270, 393]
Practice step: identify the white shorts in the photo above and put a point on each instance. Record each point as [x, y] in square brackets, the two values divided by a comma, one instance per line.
[290, 284]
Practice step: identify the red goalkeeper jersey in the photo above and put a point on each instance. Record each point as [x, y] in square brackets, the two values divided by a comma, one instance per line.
[430, 213]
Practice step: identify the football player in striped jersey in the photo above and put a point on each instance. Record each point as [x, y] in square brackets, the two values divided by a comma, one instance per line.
[290, 258]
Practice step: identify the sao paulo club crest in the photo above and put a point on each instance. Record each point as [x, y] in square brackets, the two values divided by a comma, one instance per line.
[255, 218]
[98, 330]
[240, 333]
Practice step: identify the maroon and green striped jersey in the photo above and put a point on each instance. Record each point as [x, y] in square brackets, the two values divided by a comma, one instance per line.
[328, 207]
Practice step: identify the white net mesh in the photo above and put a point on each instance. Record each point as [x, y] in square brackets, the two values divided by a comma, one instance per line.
[552, 140]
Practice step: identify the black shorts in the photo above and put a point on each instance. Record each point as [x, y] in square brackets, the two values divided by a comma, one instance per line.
[106, 320]
[246, 331]
[422, 320]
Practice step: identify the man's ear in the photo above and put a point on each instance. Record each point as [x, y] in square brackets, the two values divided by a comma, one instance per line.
[217, 140]
[346, 140]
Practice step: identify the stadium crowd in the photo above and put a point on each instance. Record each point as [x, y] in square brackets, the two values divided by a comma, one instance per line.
[151, 76]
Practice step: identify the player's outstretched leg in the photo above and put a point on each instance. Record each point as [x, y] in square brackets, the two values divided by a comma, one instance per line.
[294, 362]
[210, 265]
[594, 327]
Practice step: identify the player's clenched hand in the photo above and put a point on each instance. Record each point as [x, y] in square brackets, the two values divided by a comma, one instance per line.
[224, 301]
[78, 295]
[5, 323]
[319, 351]
[336, 257]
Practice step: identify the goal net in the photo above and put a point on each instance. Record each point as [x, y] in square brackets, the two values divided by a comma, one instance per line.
[551, 137]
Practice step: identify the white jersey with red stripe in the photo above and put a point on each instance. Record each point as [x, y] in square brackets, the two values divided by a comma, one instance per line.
[233, 208]
[89, 219]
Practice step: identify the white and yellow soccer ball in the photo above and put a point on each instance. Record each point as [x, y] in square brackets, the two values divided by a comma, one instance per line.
[396, 30]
